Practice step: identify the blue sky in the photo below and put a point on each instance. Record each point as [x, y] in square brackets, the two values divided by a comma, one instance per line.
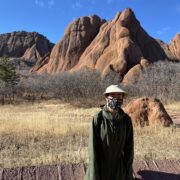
[160, 18]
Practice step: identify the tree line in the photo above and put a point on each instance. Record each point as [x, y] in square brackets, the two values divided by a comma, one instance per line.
[161, 80]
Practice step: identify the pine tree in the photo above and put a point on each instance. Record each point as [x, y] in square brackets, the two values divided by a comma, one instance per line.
[8, 73]
[8, 78]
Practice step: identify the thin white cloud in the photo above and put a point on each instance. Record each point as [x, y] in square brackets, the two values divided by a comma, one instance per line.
[163, 30]
[43, 3]
[93, 2]
[39, 3]
[178, 8]
[77, 5]
[51, 3]
[109, 1]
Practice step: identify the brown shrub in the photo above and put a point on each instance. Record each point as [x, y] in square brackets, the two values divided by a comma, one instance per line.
[160, 80]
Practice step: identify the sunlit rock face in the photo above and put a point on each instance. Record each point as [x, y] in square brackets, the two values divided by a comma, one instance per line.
[120, 45]
[24, 49]
[24, 44]
[174, 47]
[78, 35]
[148, 111]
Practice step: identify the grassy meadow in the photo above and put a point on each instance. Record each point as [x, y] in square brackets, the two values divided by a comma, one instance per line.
[51, 132]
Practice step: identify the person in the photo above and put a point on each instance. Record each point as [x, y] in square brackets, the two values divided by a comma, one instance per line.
[111, 145]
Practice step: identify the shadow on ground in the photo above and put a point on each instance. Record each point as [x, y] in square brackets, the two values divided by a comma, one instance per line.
[155, 175]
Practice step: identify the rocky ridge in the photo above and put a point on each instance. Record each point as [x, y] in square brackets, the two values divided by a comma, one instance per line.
[174, 47]
[66, 53]
[120, 45]
[24, 48]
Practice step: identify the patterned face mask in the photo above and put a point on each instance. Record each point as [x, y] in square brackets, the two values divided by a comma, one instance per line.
[114, 104]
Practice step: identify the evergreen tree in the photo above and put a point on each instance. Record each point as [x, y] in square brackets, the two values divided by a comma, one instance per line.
[8, 73]
[8, 80]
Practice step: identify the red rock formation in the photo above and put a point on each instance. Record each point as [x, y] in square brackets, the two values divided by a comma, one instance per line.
[24, 49]
[118, 45]
[25, 45]
[148, 111]
[166, 49]
[31, 54]
[111, 47]
[41, 63]
[174, 47]
[78, 35]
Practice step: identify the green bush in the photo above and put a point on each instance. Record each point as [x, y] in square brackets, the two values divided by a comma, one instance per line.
[8, 80]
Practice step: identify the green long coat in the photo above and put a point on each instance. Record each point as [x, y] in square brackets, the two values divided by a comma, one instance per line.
[111, 147]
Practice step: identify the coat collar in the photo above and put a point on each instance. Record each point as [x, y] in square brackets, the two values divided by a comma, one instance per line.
[108, 115]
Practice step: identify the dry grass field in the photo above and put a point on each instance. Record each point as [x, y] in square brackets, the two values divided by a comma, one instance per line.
[51, 132]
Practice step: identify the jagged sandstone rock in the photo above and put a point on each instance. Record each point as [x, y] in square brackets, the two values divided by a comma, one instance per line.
[30, 47]
[24, 49]
[166, 49]
[40, 64]
[111, 48]
[117, 45]
[174, 47]
[78, 35]
[148, 111]
[120, 45]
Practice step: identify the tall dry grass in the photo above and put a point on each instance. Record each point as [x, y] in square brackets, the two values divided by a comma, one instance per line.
[49, 133]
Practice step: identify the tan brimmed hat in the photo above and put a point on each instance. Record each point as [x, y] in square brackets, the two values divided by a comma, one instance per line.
[114, 89]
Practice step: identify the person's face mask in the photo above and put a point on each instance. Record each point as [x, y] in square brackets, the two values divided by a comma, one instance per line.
[114, 103]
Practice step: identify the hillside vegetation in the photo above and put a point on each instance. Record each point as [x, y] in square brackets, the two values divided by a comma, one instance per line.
[85, 88]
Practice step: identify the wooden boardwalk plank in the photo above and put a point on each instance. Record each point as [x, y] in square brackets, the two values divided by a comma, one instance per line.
[166, 172]
[176, 165]
[47, 173]
[165, 166]
[1, 173]
[66, 172]
[78, 171]
[138, 167]
[152, 173]
[12, 174]
[143, 170]
[151, 165]
[29, 173]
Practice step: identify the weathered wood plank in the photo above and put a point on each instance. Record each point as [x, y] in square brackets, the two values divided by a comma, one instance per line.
[140, 170]
[176, 165]
[172, 167]
[165, 166]
[143, 170]
[29, 173]
[66, 172]
[12, 174]
[78, 171]
[47, 173]
[165, 171]
[151, 165]
[1, 173]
